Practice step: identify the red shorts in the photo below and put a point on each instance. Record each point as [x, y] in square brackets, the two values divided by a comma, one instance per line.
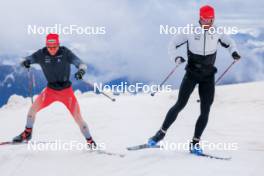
[65, 96]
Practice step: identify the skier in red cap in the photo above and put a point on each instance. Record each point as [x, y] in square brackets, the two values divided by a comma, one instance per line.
[55, 61]
[201, 51]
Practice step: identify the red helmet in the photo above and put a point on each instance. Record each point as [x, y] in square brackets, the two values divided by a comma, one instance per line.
[52, 40]
[207, 12]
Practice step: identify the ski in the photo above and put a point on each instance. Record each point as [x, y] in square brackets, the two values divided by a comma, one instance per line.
[146, 146]
[212, 156]
[110, 153]
[103, 152]
[12, 143]
[24, 142]
[142, 146]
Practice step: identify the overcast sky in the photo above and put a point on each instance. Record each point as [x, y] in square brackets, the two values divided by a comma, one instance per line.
[132, 45]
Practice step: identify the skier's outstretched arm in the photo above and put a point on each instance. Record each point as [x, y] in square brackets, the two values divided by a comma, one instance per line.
[177, 41]
[32, 59]
[230, 44]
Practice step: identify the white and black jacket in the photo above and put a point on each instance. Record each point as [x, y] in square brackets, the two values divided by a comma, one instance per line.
[201, 50]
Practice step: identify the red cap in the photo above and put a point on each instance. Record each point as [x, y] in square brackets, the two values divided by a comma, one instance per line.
[52, 40]
[207, 12]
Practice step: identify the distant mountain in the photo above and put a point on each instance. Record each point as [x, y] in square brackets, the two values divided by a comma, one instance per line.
[15, 80]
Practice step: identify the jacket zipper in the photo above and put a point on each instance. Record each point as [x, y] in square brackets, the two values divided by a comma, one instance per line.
[204, 40]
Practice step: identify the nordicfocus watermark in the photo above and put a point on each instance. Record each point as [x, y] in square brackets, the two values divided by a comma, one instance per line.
[192, 29]
[66, 30]
[205, 145]
[124, 87]
[59, 145]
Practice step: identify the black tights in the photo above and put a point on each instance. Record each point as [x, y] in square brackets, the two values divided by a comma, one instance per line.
[206, 93]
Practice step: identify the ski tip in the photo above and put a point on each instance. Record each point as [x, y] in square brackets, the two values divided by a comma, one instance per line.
[142, 146]
[212, 156]
[133, 148]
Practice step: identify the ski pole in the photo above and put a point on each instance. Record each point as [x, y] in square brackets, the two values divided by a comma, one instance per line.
[178, 62]
[223, 74]
[100, 92]
[30, 85]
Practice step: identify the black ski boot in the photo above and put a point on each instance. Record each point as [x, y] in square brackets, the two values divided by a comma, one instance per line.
[91, 143]
[156, 138]
[26, 135]
[195, 147]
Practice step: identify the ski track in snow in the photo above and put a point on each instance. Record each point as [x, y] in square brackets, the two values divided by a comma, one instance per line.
[236, 116]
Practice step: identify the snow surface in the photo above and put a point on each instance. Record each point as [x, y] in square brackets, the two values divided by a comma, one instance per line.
[236, 116]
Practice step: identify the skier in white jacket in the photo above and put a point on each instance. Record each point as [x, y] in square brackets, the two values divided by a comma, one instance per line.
[201, 51]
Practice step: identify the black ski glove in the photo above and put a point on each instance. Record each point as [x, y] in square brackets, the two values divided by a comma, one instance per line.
[79, 74]
[25, 63]
[236, 56]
